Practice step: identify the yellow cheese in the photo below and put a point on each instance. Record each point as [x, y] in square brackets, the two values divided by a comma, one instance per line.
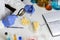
[35, 25]
[25, 21]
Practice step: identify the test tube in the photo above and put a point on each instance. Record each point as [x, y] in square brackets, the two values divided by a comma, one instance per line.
[14, 37]
[20, 38]
[8, 37]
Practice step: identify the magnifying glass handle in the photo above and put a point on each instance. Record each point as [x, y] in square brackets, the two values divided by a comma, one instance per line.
[9, 7]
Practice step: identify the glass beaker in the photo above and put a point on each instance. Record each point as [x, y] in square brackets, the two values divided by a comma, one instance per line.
[55, 4]
[42, 3]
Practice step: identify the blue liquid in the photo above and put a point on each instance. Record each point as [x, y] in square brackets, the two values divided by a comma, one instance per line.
[55, 4]
[34, 1]
[8, 38]
[20, 38]
[29, 9]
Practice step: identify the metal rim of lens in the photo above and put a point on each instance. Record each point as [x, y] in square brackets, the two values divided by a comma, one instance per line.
[21, 12]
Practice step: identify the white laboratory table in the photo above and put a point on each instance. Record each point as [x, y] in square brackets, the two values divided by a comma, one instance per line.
[27, 31]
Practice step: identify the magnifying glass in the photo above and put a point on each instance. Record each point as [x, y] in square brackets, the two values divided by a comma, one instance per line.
[10, 19]
[21, 12]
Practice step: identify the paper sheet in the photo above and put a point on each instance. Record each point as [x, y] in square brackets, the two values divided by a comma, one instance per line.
[53, 21]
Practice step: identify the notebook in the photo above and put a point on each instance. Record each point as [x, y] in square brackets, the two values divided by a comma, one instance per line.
[52, 21]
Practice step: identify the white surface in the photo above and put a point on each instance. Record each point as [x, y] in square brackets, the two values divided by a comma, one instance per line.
[42, 33]
[55, 27]
[2, 9]
[52, 16]
[27, 2]
[53, 20]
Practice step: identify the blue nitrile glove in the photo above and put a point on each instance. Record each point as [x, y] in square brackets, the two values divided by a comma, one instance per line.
[9, 20]
[29, 9]
[34, 1]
